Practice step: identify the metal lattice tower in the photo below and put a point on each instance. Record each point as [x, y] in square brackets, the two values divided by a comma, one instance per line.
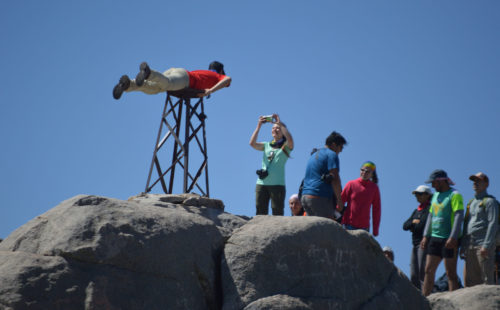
[169, 140]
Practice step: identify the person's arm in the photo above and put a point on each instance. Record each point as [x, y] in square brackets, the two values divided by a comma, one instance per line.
[492, 213]
[427, 231]
[284, 130]
[253, 139]
[452, 241]
[221, 84]
[419, 224]
[457, 207]
[337, 188]
[346, 193]
[407, 225]
[376, 211]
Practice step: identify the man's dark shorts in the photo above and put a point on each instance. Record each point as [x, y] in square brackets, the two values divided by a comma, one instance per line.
[436, 247]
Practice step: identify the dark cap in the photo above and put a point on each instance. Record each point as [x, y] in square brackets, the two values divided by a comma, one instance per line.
[217, 67]
[439, 174]
[480, 176]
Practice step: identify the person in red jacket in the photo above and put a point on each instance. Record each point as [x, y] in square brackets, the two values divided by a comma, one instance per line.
[361, 196]
[153, 82]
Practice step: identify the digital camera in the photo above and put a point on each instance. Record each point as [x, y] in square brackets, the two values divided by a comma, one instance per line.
[269, 118]
[327, 178]
[262, 173]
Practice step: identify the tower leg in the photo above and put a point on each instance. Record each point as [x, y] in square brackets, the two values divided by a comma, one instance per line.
[181, 153]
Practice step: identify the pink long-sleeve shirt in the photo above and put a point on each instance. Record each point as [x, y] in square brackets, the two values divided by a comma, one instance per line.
[361, 196]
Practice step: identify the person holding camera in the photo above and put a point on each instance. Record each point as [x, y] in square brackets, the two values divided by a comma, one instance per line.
[322, 186]
[271, 180]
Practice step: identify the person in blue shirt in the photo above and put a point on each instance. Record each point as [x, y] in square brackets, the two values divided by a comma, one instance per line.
[322, 185]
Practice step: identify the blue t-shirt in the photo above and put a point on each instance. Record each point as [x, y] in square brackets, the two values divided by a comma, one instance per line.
[321, 162]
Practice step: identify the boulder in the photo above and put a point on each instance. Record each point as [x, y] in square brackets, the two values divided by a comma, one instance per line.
[112, 254]
[185, 252]
[479, 297]
[313, 261]
[278, 302]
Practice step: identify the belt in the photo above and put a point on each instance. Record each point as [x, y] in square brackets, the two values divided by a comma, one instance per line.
[312, 196]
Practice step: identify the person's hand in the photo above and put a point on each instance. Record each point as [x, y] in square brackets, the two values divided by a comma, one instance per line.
[340, 208]
[277, 118]
[423, 243]
[483, 252]
[415, 221]
[262, 120]
[451, 243]
[462, 252]
[207, 92]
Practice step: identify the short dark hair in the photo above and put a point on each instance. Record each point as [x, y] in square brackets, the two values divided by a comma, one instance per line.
[336, 138]
[217, 66]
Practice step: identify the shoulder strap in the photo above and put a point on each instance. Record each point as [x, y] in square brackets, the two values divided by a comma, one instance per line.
[467, 211]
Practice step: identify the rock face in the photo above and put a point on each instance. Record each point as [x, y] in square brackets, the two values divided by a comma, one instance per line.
[185, 252]
[315, 260]
[479, 297]
[97, 253]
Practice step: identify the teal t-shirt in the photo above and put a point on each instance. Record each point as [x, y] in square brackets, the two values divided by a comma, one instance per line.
[443, 208]
[274, 160]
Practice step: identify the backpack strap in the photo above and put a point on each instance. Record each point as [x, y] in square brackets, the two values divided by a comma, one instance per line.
[284, 150]
[467, 211]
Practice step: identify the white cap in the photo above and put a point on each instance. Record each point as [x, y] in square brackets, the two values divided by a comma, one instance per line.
[387, 249]
[423, 189]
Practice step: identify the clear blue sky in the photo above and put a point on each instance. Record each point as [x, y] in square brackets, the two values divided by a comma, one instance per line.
[412, 85]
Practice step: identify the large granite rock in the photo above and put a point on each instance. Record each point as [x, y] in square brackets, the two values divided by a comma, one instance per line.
[98, 253]
[314, 261]
[185, 252]
[479, 297]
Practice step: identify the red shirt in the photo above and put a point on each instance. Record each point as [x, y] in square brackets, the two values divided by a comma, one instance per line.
[361, 196]
[203, 79]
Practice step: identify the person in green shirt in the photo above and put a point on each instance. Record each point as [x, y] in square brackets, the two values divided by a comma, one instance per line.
[271, 180]
[442, 230]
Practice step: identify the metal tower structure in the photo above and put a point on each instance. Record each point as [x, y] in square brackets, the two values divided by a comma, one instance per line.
[193, 162]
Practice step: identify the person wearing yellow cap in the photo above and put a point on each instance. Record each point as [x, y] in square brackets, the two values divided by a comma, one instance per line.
[480, 229]
[361, 196]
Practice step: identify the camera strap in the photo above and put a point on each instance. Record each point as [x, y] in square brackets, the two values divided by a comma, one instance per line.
[272, 155]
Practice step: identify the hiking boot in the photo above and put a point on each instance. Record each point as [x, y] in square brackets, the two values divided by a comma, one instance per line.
[143, 74]
[122, 86]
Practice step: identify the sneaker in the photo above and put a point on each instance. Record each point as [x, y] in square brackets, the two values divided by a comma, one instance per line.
[122, 86]
[143, 74]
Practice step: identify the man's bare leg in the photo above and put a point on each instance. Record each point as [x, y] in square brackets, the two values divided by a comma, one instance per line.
[430, 272]
[450, 264]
